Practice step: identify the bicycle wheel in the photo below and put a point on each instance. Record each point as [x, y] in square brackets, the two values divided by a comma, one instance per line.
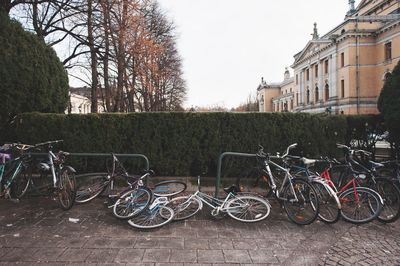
[248, 208]
[360, 205]
[20, 184]
[154, 218]
[185, 207]
[391, 200]
[329, 204]
[90, 186]
[169, 188]
[132, 202]
[66, 189]
[301, 203]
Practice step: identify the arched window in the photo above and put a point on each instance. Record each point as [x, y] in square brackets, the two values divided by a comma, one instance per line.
[326, 92]
[316, 94]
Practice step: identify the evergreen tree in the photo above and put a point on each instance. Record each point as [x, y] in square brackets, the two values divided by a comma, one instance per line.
[32, 77]
[389, 104]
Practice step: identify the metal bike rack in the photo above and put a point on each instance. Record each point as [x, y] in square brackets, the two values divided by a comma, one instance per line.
[104, 155]
[237, 154]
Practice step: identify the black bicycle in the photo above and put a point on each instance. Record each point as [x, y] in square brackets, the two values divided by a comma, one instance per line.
[134, 198]
[20, 175]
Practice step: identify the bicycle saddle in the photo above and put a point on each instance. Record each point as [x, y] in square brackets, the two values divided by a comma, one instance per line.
[231, 189]
[308, 161]
[373, 164]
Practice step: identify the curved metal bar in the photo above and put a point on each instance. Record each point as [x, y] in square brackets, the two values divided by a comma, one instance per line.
[218, 180]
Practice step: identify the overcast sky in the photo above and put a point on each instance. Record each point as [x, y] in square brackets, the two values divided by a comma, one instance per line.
[228, 45]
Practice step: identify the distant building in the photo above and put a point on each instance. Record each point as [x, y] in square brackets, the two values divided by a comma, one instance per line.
[80, 102]
[344, 70]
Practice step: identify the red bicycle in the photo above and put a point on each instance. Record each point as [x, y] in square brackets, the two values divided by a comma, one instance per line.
[359, 204]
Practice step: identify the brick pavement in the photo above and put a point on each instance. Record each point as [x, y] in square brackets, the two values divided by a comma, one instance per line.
[36, 232]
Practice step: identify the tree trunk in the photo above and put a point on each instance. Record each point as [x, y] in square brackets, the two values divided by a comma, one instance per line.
[93, 57]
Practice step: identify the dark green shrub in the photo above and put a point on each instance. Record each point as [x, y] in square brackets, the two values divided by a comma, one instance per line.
[32, 77]
[186, 143]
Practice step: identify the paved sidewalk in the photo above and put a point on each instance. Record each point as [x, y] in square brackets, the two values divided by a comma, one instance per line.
[36, 232]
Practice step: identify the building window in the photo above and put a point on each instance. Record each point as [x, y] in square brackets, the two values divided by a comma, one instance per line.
[316, 71]
[326, 66]
[342, 87]
[342, 59]
[291, 104]
[326, 92]
[297, 79]
[297, 99]
[308, 96]
[308, 74]
[316, 94]
[388, 51]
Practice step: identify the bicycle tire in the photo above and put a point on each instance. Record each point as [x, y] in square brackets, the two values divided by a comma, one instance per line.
[255, 209]
[306, 209]
[370, 201]
[132, 202]
[150, 219]
[90, 186]
[329, 203]
[185, 207]
[20, 184]
[67, 189]
[391, 198]
[169, 188]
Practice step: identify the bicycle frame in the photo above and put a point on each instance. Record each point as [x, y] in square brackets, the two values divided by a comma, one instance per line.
[15, 172]
[288, 178]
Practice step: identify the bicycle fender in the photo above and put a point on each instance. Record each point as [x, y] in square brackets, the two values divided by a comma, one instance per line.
[70, 168]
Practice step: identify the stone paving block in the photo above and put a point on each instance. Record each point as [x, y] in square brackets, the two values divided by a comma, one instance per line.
[74, 255]
[263, 256]
[72, 242]
[221, 243]
[132, 255]
[156, 255]
[210, 256]
[19, 254]
[102, 255]
[147, 242]
[244, 244]
[197, 264]
[186, 255]
[196, 243]
[98, 242]
[48, 254]
[237, 256]
[171, 243]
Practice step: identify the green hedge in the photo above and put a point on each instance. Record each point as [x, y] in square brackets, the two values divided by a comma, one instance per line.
[185, 143]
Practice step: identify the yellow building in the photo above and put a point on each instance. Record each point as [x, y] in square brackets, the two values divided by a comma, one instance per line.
[344, 70]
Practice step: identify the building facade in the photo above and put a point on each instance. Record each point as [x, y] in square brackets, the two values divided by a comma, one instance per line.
[343, 71]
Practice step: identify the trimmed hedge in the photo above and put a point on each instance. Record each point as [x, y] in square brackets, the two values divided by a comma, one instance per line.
[185, 143]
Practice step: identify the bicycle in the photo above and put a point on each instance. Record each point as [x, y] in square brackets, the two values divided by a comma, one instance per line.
[367, 171]
[359, 204]
[330, 206]
[12, 170]
[132, 200]
[63, 176]
[298, 197]
[92, 185]
[156, 215]
[243, 208]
